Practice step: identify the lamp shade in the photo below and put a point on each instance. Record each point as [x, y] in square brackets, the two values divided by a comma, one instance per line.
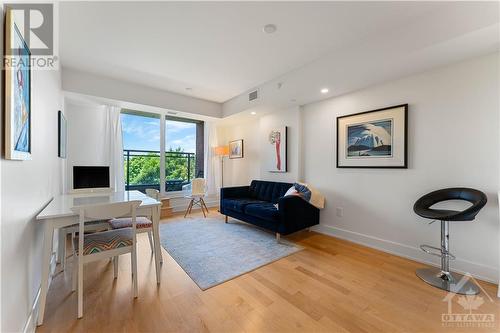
[222, 150]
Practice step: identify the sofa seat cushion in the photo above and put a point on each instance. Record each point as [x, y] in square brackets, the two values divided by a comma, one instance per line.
[264, 210]
[238, 205]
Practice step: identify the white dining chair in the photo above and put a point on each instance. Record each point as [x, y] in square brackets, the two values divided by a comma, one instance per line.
[144, 223]
[90, 226]
[106, 244]
[196, 193]
[153, 193]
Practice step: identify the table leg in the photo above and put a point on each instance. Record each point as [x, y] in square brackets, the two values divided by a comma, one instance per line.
[47, 247]
[157, 246]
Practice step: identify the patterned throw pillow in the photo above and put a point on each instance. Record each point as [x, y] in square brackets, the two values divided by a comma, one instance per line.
[304, 192]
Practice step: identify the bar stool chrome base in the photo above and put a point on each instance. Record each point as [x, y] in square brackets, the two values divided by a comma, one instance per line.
[441, 277]
[448, 281]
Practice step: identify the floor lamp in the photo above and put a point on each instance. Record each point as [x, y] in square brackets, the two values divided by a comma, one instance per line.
[222, 151]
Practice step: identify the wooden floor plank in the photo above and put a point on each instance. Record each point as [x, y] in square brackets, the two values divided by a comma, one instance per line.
[332, 285]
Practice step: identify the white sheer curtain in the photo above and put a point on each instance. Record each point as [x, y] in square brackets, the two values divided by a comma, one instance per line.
[114, 143]
[212, 162]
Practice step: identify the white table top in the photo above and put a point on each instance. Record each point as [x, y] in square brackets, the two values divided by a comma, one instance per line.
[61, 205]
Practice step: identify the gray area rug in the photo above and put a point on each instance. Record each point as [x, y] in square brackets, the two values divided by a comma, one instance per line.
[212, 252]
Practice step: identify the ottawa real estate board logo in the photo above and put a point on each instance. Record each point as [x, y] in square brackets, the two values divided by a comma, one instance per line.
[465, 310]
[29, 36]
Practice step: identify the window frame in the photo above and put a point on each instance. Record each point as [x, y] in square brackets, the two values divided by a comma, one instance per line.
[200, 145]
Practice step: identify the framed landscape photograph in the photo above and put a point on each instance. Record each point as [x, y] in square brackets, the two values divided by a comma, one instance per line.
[17, 93]
[236, 149]
[373, 139]
[62, 135]
[276, 150]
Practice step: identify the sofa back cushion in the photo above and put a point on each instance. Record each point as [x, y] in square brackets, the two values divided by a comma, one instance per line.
[268, 191]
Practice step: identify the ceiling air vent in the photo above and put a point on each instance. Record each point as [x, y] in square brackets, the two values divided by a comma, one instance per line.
[252, 96]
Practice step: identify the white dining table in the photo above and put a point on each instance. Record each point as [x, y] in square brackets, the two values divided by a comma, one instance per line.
[58, 214]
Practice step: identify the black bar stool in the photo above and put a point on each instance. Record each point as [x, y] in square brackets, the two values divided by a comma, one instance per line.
[442, 278]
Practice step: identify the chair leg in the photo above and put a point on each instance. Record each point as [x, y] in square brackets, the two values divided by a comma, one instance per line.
[64, 254]
[201, 205]
[115, 267]
[188, 207]
[62, 249]
[80, 288]
[150, 237]
[73, 235]
[74, 276]
[278, 237]
[134, 271]
[191, 206]
[204, 205]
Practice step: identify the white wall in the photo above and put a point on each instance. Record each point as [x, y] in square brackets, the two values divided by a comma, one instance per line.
[453, 141]
[255, 133]
[26, 187]
[241, 171]
[86, 129]
[290, 118]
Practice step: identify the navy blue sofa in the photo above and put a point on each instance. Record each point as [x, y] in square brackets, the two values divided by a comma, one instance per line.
[255, 204]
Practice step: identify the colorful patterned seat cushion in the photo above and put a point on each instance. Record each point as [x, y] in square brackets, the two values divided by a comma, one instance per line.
[105, 241]
[126, 222]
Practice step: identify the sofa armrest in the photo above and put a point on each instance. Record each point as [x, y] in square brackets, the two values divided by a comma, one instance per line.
[296, 214]
[235, 192]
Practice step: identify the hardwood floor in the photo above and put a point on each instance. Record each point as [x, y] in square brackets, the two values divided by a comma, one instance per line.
[330, 286]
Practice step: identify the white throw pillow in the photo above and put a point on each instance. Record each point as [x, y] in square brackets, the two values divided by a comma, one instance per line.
[291, 191]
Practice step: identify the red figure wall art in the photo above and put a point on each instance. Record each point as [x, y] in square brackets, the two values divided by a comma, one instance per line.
[277, 151]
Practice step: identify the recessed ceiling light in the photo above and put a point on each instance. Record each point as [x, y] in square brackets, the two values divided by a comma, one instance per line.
[324, 90]
[253, 113]
[270, 28]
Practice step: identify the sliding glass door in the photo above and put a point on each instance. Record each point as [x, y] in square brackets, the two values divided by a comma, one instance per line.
[157, 153]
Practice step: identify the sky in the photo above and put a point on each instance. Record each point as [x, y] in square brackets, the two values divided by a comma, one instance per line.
[143, 133]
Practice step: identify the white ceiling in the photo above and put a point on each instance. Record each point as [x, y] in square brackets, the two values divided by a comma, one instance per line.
[218, 48]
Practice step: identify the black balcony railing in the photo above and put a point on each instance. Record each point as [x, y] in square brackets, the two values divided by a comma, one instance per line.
[142, 169]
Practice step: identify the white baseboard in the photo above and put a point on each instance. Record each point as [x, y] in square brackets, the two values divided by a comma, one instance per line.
[30, 325]
[479, 271]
